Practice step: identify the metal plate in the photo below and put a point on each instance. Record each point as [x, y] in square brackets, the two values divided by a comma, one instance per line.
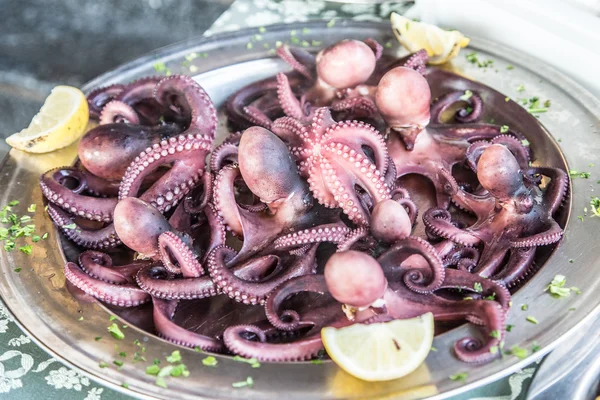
[46, 310]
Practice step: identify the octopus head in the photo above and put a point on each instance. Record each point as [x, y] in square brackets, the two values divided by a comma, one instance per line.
[355, 278]
[499, 172]
[268, 168]
[403, 98]
[390, 221]
[346, 64]
[139, 225]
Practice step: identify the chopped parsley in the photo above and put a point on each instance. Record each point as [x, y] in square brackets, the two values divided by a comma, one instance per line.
[97, 338]
[557, 287]
[70, 226]
[493, 349]
[331, 23]
[249, 382]
[175, 357]
[518, 352]
[504, 129]
[509, 327]
[472, 58]
[45, 236]
[252, 361]
[468, 94]
[433, 348]
[388, 45]
[249, 45]
[262, 29]
[153, 369]
[103, 364]
[535, 347]
[521, 88]
[32, 208]
[116, 332]
[477, 287]
[80, 318]
[490, 297]
[461, 376]
[495, 334]
[525, 142]
[27, 249]
[509, 67]
[17, 270]
[13, 203]
[118, 363]
[112, 318]
[533, 320]
[524, 307]
[125, 385]
[317, 361]
[210, 361]
[197, 349]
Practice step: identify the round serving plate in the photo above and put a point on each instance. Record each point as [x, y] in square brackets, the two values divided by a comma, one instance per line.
[47, 311]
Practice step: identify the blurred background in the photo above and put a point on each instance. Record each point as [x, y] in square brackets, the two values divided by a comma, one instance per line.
[48, 42]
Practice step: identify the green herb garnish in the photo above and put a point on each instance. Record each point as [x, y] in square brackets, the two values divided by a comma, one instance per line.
[521, 88]
[17, 270]
[533, 320]
[461, 376]
[252, 361]
[524, 307]
[27, 249]
[31, 208]
[116, 332]
[103, 364]
[249, 382]
[495, 334]
[70, 226]
[477, 287]
[504, 129]
[331, 23]
[210, 361]
[97, 338]
[317, 361]
[509, 67]
[518, 352]
[175, 357]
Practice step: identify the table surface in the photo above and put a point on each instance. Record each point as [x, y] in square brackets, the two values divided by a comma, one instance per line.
[26, 371]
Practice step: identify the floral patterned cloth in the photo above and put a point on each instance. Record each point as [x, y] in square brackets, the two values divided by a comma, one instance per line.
[27, 371]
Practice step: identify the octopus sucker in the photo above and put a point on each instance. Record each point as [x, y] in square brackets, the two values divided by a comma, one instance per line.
[307, 215]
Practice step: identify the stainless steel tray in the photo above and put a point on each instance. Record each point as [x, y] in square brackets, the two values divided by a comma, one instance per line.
[49, 314]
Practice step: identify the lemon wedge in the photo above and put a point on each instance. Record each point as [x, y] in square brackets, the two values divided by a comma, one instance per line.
[61, 120]
[441, 45]
[382, 351]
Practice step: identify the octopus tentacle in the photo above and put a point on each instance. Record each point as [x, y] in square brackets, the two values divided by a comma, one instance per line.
[255, 292]
[159, 283]
[438, 222]
[375, 46]
[98, 98]
[456, 279]
[173, 246]
[518, 265]
[206, 195]
[124, 295]
[493, 317]
[100, 239]
[224, 154]
[237, 340]
[558, 187]
[352, 238]
[163, 312]
[285, 53]
[552, 234]
[224, 199]
[118, 111]
[184, 93]
[416, 61]
[289, 320]
[99, 265]
[414, 278]
[333, 233]
[257, 117]
[186, 152]
[289, 103]
[443, 103]
[54, 187]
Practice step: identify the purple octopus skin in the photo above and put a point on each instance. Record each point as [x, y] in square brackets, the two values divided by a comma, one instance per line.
[107, 150]
[270, 173]
[347, 287]
[514, 215]
[330, 154]
[280, 189]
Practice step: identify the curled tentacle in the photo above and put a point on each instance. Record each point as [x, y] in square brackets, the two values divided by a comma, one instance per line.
[118, 112]
[63, 187]
[163, 314]
[99, 265]
[123, 295]
[173, 247]
[256, 292]
[251, 341]
[226, 153]
[438, 222]
[471, 113]
[493, 317]
[353, 238]
[287, 54]
[98, 98]
[100, 239]
[552, 234]
[289, 320]
[205, 197]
